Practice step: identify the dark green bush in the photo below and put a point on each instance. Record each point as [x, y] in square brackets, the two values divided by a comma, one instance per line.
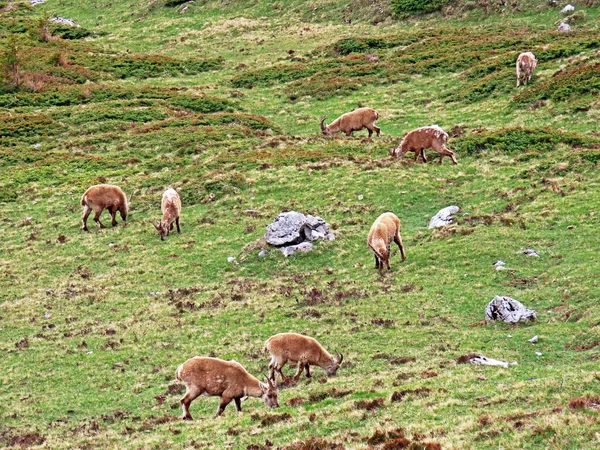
[510, 140]
[66, 32]
[417, 6]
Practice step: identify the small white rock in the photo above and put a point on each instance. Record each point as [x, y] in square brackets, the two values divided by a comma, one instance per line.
[538, 353]
[89, 353]
[360, 197]
[262, 254]
[514, 363]
[534, 339]
[567, 9]
[47, 315]
[111, 244]
[230, 259]
[38, 145]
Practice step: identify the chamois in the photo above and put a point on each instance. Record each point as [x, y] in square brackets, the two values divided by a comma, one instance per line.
[171, 209]
[526, 64]
[352, 121]
[303, 350]
[226, 379]
[422, 138]
[384, 230]
[100, 197]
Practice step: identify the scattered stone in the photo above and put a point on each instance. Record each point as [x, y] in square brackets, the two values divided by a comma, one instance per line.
[571, 227]
[567, 9]
[38, 145]
[443, 217]
[230, 259]
[360, 197]
[500, 265]
[508, 310]
[111, 244]
[538, 353]
[534, 339]
[529, 252]
[65, 21]
[291, 249]
[262, 254]
[47, 315]
[564, 28]
[36, 2]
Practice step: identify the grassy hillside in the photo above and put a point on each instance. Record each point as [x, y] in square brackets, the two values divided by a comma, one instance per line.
[222, 102]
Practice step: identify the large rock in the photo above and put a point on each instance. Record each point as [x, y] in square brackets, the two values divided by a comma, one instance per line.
[443, 217]
[508, 310]
[292, 228]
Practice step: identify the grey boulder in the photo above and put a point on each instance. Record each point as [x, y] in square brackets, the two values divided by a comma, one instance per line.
[509, 310]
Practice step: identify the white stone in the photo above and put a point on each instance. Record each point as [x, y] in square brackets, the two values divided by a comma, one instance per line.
[443, 217]
[529, 252]
[534, 339]
[230, 259]
[564, 28]
[484, 361]
[567, 9]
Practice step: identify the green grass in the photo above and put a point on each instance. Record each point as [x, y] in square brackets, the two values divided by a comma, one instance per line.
[213, 103]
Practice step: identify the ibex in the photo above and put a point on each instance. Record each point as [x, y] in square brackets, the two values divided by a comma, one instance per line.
[352, 121]
[171, 209]
[526, 64]
[384, 230]
[423, 138]
[101, 197]
[225, 379]
[305, 351]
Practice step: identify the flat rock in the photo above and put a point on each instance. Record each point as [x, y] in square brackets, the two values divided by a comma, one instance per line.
[509, 310]
[529, 252]
[291, 249]
[443, 217]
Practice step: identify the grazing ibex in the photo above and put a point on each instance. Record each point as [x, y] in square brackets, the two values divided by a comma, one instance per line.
[423, 138]
[384, 230]
[100, 197]
[171, 209]
[226, 379]
[526, 63]
[352, 121]
[303, 350]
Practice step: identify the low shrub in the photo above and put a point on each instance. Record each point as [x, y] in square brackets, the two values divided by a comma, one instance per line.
[401, 7]
[511, 140]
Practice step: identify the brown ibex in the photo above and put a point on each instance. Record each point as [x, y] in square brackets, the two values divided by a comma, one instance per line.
[384, 230]
[420, 139]
[305, 351]
[100, 197]
[352, 121]
[226, 379]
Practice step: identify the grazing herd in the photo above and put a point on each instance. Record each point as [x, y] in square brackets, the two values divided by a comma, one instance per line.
[228, 379]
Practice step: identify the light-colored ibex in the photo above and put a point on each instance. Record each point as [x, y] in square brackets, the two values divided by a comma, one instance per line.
[226, 379]
[352, 121]
[384, 230]
[526, 64]
[171, 209]
[100, 197]
[420, 139]
[302, 350]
